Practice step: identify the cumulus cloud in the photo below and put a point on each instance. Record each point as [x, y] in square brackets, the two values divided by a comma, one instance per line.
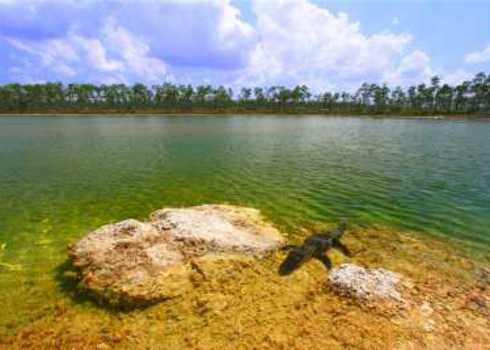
[304, 43]
[203, 41]
[476, 57]
[455, 77]
[130, 40]
[114, 55]
[204, 33]
[414, 68]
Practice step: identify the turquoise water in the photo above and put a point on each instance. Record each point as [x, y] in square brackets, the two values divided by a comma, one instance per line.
[61, 177]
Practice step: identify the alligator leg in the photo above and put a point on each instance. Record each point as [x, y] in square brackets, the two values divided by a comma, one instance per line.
[340, 246]
[324, 260]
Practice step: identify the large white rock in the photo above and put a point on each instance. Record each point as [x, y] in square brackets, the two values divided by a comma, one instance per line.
[219, 228]
[144, 262]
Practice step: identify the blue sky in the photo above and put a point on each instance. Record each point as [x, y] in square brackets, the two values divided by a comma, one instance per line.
[326, 44]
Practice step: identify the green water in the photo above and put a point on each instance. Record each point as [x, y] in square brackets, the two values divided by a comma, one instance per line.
[62, 177]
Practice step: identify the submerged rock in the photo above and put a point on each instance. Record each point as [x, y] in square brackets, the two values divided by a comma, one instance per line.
[144, 262]
[366, 284]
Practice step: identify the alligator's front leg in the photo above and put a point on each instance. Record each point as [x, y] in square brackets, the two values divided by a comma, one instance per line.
[324, 260]
[340, 246]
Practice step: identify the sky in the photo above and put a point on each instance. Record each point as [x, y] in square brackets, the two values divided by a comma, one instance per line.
[325, 44]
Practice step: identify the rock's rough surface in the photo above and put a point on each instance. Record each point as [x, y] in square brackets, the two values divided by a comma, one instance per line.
[366, 284]
[143, 262]
[219, 228]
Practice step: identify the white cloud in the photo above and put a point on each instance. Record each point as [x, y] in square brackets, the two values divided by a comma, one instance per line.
[113, 56]
[195, 41]
[134, 40]
[75, 55]
[482, 56]
[90, 60]
[300, 42]
[414, 68]
[201, 33]
[456, 77]
[135, 52]
[96, 54]
[55, 55]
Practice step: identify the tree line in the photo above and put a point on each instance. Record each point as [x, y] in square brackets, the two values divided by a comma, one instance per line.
[469, 97]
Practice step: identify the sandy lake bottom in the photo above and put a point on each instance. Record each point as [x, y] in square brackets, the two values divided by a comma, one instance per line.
[246, 304]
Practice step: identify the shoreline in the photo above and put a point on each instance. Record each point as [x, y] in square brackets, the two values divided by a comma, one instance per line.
[478, 117]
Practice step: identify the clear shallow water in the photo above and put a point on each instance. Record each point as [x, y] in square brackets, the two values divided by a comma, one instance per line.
[62, 177]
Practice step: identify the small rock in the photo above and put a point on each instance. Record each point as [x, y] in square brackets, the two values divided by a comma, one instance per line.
[428, 325]
[426, 309]
[365, 284]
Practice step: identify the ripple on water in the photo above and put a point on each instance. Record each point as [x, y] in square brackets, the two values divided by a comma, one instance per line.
[80, 173]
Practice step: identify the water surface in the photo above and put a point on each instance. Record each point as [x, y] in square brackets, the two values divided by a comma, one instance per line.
[61, 177]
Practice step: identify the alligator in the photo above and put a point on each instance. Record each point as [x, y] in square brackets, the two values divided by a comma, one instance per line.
[314, 247]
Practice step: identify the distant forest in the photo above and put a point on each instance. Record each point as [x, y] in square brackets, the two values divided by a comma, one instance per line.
[469, 97]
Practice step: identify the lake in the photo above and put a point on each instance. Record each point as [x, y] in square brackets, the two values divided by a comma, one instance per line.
[61, 177]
